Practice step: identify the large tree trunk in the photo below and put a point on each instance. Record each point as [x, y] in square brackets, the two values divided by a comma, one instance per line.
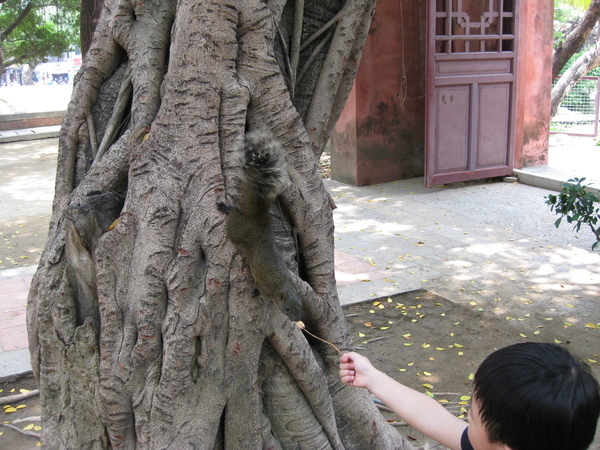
[573, 41]
[143, 327]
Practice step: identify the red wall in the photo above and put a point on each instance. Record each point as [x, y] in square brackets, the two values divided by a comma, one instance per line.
[381, 133]
[534, 83]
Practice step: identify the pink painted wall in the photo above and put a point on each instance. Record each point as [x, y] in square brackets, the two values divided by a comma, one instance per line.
[534, 83]
[380, 135]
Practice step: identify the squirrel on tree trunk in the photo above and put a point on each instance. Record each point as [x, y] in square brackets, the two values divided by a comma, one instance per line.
[249, 224]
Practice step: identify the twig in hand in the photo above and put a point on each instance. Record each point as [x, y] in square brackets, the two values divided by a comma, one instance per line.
[301, 325]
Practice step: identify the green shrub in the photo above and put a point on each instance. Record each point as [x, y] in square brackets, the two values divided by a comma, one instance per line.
[578, 206]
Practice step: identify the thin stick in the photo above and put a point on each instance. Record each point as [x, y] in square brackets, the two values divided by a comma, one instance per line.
[301, 325]
[28, 419]
[26, 433]
[19, 397]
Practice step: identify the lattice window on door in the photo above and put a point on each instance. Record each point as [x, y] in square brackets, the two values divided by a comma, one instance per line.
[474, 26]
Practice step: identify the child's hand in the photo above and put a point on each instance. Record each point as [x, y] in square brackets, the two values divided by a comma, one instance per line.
[356, 370]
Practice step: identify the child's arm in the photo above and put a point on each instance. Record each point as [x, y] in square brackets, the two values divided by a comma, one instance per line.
[421, 412]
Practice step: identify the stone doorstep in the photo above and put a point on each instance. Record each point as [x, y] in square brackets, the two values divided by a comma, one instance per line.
[29, 134]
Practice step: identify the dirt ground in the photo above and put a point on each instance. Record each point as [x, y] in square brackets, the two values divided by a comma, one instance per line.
[23, 414]
[420, 339]
[21, 243]
[433, 345]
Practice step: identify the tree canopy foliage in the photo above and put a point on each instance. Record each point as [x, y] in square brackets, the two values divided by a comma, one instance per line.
[32, 30]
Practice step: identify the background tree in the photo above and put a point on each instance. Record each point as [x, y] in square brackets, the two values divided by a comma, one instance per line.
[143, 328]
[32, 30]
[568, 45]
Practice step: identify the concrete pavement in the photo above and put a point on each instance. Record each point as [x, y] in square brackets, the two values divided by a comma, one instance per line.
[473, 242]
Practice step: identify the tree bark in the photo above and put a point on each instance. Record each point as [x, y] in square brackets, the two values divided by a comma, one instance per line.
[576, 38]
[144, 331]
[89, 17]
[579, 69]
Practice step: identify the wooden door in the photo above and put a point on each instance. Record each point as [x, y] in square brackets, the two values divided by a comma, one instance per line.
[471, 77]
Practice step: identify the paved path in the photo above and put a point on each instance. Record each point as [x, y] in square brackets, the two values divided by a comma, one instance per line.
[472, 243]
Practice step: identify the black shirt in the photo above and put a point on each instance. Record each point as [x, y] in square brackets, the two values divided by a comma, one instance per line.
[465, 443]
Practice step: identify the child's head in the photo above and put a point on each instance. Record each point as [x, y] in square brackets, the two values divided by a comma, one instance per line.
[537, 396]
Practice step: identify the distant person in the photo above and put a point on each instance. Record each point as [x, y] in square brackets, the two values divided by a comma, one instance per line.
[527, 396]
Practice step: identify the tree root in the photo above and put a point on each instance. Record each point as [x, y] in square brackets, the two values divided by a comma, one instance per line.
[25, 432]
[19, 397]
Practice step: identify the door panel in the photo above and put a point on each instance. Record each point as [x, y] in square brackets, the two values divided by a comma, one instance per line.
[493, 128]
[452, 133]
[470, 108]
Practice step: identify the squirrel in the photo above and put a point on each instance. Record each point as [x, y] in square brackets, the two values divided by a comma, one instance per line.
[249, 224]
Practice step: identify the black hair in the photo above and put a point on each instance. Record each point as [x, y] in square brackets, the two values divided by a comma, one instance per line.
[537, 396]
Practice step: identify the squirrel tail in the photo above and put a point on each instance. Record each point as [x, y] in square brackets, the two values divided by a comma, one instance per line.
[263, 172]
